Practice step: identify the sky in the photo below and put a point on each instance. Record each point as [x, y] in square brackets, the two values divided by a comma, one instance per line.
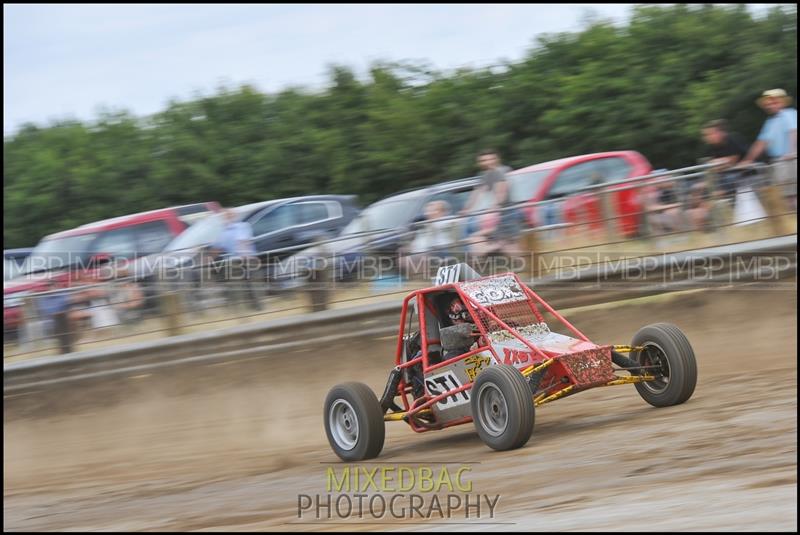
[71, 61]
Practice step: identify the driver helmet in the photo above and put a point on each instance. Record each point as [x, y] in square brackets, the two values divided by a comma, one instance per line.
[457, 311]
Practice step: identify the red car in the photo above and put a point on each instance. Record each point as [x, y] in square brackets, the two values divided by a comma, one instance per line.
[57, 256]
[565, 177]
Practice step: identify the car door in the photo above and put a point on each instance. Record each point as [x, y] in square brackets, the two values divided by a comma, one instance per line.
[274, 230]
[117, 243]
[317, 220]
[616, 169]
[152, 237]
[582, 207]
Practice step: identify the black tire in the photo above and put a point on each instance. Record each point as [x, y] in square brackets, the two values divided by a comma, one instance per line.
[665, 344]
[502, 407]
[354, 422]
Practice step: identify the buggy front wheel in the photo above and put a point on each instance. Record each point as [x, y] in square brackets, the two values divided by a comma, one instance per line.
[502, 407]
[667, 355]
[354, 422]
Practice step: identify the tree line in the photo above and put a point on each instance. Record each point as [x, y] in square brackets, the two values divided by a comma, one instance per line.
[648, 85]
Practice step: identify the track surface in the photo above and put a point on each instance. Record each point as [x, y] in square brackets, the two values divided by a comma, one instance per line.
[230, 446]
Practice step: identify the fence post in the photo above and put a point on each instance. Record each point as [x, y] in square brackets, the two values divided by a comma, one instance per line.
[609, 215]
[63, 331]
[532, 247]
[171, 306]
[317, 290]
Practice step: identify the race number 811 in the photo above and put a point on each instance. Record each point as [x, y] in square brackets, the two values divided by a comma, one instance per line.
[444, 382]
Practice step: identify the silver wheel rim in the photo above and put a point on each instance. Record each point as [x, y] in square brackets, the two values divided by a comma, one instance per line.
[493, 409]
[661, 382]
[343, 424]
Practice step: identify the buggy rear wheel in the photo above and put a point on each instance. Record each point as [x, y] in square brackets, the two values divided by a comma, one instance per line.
[502, 407]
[666, 347]
[354, 422]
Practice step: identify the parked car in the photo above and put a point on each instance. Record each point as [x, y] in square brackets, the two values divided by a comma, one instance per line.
[59, 256]
[279, 227]
[379, 230]
[13, 259]
[566, 177]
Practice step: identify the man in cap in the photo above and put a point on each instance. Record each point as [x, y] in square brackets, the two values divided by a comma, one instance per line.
[778, 138]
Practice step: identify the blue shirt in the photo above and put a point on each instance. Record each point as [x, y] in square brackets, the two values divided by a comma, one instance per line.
[775, 132]
[53, 303]
[237, 239]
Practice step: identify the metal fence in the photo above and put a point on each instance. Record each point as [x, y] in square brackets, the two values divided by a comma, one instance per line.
[666, 206]
[369, 322]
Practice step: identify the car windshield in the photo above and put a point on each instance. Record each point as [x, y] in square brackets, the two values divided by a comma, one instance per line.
[59, 252]
[388, 214]
[204, 232]
[525, 185]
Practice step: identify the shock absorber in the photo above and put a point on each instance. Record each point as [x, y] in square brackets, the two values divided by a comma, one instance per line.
[630, 365]
[387, 399]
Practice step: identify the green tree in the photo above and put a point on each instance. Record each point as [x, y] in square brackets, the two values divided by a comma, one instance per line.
[647, 85]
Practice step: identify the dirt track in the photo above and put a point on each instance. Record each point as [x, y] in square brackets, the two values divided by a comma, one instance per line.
[230, 447]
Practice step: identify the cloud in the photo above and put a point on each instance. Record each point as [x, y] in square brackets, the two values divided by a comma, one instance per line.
[66, 60]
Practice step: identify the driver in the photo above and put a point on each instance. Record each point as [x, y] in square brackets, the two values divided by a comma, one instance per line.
[458, 314]
[455, 313]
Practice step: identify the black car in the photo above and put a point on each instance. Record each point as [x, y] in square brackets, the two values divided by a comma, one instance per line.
[280, 228]
[378, 232]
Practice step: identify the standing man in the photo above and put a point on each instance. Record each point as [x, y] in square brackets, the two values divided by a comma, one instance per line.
[493, 183]
[236, 242]
[778, 138]
[725, 149]
[492, 193]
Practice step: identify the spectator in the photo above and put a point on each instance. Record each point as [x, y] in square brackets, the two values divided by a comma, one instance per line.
[664, 209]
[236, 242]
[81, 294]
[432, 239]
[698, 207]
[127, 298]
[726, 149]
[103, 312]
[498, 231]
[778, 139]
[435, 235]
[48, 316]
[492, 193]
[61, 312]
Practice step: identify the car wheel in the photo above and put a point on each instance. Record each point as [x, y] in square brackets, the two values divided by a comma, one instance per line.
[354, 422]
[667, 348]
[502, 407]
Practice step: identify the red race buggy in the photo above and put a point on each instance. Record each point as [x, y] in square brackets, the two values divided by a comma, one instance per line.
[481, 350]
